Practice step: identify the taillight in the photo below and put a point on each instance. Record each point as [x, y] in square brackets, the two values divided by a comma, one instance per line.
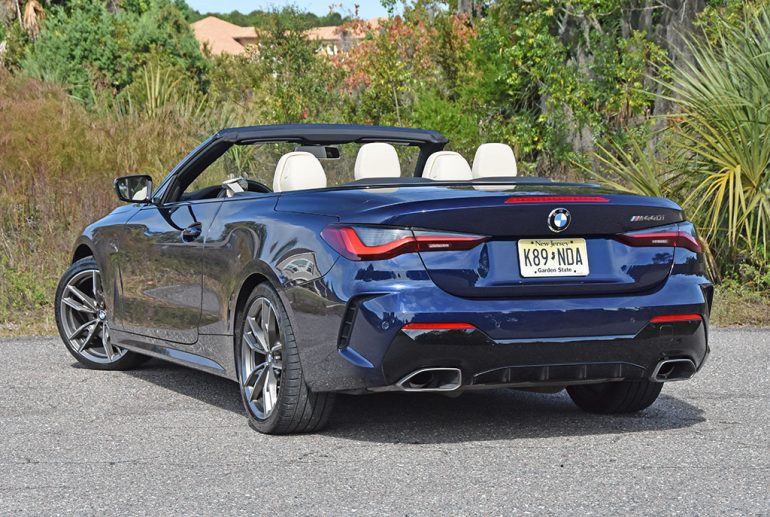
[438, 326]
[671, 318]
[672, 239]
[381, 243]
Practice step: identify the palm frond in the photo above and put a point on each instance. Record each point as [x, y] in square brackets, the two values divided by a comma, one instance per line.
[724, 96]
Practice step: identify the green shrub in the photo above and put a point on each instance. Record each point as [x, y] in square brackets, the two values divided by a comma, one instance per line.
[86, 47]
[724, 127]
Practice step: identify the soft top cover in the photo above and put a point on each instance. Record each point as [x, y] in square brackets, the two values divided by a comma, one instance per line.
[329, 134]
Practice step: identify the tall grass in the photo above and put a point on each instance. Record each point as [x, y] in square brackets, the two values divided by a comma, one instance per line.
[57, 162]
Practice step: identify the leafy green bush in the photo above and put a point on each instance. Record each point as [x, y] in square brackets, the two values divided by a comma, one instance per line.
[563, 74]
[86, 47]
[298, 83]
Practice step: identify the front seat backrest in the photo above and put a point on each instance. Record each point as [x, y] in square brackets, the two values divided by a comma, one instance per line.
[447, 166]
[377, 160]
[298, 171]
[494, 160]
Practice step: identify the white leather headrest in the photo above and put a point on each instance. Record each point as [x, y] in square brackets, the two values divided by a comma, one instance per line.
[377, 160]
[494, 160]
[447, 166]
[298, 171]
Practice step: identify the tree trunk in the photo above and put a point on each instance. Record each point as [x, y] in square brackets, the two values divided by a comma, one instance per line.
[672, 33]
[465, 7]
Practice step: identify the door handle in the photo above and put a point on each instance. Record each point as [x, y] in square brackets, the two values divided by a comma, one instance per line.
[192, 232]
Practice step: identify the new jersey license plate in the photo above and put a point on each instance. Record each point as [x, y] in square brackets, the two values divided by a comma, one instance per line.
[553, 257]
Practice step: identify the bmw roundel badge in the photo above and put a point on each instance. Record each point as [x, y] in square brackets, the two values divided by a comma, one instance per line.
[559, 219]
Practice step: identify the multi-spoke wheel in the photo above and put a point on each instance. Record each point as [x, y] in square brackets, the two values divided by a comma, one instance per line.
[83, 322]
[273, 389]
[261, 358]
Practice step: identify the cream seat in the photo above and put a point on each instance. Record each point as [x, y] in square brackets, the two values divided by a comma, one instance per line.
[447, 166]
[298, 171]
[494, 160]
[377, 160]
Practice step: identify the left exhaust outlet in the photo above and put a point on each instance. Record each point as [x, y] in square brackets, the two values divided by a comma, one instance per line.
[673, 370]
[431, 379]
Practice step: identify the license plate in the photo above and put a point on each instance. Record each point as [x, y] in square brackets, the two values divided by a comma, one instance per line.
[553, 257]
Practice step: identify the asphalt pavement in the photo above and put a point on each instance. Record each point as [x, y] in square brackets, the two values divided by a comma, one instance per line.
[168, 440]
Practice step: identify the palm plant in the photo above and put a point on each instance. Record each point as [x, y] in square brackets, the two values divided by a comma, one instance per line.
[163, 92]
[724, 126]
[631, 168]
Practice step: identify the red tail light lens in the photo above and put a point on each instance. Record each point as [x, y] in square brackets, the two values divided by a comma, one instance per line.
[676, 317]
[378, 243]
[438, 326]
[556, 199]
[673, 239]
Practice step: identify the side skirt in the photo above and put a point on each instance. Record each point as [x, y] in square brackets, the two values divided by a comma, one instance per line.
[211, 353]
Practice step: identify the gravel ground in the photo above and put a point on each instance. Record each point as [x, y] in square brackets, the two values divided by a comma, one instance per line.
[168, 440]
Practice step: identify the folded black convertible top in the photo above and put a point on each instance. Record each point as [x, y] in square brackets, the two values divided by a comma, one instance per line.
[329, 134]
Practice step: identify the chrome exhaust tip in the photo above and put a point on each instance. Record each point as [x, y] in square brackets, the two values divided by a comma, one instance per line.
[431, 380]
[673, 370]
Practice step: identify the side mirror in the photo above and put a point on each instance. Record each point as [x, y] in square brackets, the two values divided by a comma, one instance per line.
[134, 189]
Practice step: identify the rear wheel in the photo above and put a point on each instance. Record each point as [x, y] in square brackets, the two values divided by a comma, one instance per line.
[83, 320]
[615, 397]
[273, 388]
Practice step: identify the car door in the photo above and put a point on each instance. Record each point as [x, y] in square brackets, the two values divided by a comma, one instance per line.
[161, 269]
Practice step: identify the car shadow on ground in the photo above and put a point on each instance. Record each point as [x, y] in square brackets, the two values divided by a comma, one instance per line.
[416, 418]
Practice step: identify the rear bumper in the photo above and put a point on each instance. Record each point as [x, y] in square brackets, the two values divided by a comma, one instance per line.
[362, 347]
[554, 361]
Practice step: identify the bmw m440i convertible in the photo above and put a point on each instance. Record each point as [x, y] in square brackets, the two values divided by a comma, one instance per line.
[375, 260]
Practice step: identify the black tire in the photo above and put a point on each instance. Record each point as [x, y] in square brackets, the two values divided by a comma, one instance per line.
[297, 410]
[615, 397]
[124, 359]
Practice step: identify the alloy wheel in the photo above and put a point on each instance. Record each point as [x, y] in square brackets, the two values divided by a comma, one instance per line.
[84, 318]
[261, 358]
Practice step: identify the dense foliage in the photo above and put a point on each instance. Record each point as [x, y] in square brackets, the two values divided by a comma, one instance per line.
[89, 48]
[666, 97]
[298, 20]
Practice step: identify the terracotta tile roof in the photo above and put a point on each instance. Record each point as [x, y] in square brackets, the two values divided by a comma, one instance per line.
[332, 32]
[223, 37]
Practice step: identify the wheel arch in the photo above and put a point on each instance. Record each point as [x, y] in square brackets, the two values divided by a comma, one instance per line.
[82, 251]
[248, 285]
[255, 274]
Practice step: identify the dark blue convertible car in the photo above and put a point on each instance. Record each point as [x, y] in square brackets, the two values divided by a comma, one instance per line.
[379, 261]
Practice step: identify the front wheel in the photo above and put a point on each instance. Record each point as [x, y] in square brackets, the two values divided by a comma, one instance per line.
[83, 320]
[273, 388]
[615, 397]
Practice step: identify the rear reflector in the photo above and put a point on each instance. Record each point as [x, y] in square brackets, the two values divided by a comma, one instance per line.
[676, 317]
[557, 199]
[438, 326]
[673, 239]
[375, 243]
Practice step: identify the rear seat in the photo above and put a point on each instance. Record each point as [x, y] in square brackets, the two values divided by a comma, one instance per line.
[494, 160]
[447, 166]
[377, 160]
